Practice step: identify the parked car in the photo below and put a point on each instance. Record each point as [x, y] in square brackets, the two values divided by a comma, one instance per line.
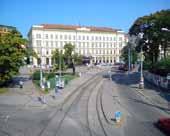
[123, 67]
[164, 125]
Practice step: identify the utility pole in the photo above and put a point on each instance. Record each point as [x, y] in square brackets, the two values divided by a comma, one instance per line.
[129, 59]
[141, 83]
[41, 72]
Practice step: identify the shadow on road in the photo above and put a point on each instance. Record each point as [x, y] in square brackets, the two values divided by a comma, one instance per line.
[132, 79]
[152, 105]
[15, 81]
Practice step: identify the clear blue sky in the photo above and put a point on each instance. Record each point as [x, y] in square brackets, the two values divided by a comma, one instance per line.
[111, 13]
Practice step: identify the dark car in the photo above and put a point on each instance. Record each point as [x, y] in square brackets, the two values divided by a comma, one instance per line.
[123, 67]
[164, 125]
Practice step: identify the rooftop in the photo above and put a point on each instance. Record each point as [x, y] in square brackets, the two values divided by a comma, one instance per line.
[77, 27]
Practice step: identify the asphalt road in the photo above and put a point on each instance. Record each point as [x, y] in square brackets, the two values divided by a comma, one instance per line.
[141, 113]
[88, 111]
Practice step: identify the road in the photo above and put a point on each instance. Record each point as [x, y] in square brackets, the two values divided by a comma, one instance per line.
[88, 111]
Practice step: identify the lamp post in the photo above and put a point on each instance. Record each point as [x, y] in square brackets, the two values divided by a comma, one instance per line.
[129, 59]
[41, 73]
[141, 83]
[165, 29]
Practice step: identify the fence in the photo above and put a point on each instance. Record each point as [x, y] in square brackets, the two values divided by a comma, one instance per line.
[157, 80]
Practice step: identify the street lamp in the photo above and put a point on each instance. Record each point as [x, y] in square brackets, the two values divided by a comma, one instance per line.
[165, 29]
[141, 83]
[131, 44]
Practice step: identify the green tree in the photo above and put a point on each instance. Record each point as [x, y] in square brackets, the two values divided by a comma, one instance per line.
[68, 53]
[124, 54]
[58, 57]
[12, 53]
[151, 26]
[78, 59]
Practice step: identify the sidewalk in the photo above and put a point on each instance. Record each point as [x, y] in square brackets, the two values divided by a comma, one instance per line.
[28, 96]
[156, 96]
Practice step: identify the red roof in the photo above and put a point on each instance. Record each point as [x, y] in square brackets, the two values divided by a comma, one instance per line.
[74, 27]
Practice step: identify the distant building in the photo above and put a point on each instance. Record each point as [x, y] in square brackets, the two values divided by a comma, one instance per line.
[6, 29]
[101, 44]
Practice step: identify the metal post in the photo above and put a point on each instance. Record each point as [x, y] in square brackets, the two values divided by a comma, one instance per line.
[60, 65]
[129, 60]
[41, 73]
[141, 84]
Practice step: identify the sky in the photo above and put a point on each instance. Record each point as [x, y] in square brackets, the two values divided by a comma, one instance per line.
[118, 14]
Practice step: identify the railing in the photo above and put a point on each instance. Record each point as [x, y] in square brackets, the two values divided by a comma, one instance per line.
[157, 80]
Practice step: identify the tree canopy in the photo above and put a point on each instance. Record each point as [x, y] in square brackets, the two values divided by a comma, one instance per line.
[67, 57]
[154, 37]
[12, 53]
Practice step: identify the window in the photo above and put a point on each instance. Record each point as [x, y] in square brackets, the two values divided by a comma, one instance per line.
[65, 37]
[61, 37]
[79, 37]
[74, 37]
[96, 45]
[51, 43]
[87, 38]
[120, 44]
[46, 43]
[38, 43]
[115, 45]
[120, 38]
[38, 35]
[56, 44]
[103, 38]
[56, 36]
[99, 45]
[92, 38]
[69, 37]
[114, 38]
[92, 45]
[46, 36]
[87, 44]
[61, 44]
[51, 36]
[83, 45]
[47, 61]
[47, 52]
[83, 37]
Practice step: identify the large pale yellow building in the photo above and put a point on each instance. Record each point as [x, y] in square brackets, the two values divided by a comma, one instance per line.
[102, 44]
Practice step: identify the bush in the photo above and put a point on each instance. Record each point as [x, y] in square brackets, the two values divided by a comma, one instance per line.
[50, 75]
[162, 67]
[36, 75]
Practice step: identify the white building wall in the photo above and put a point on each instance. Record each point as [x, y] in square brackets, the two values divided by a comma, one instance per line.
[101, 46]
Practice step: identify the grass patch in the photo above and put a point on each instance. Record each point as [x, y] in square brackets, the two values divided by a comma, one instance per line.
[3, 90]
[67, 77]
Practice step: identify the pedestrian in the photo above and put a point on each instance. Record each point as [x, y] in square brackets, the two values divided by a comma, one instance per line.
[21, 84]
[44, 100]
[56, 89]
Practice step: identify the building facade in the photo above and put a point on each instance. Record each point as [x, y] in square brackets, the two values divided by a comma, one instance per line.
[102, 44]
